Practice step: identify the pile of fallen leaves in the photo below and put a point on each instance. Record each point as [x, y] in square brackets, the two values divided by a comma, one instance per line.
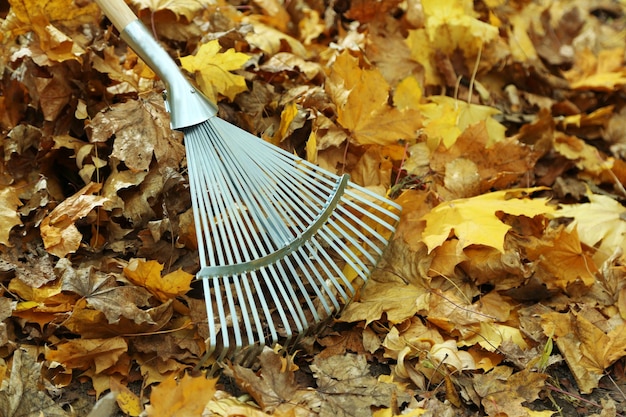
[499, 126]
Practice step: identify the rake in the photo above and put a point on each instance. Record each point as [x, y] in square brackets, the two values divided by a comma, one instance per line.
[282, 244]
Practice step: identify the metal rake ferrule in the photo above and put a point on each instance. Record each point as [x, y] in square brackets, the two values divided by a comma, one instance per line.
[185, 103]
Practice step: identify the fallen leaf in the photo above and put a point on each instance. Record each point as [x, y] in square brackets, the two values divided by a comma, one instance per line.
[213, 67]
[148, 274]
[9, 217]
[503, 392]
[600, 222]
[58, 229]
[347, 388]
[22, 395]
[362, 96]
[82, 354]
[474, 221]
[186, 397]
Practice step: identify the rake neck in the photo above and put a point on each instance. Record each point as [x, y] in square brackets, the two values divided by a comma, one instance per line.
[186, 104]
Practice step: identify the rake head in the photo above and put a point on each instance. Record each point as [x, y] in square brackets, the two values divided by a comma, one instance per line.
[283, 245]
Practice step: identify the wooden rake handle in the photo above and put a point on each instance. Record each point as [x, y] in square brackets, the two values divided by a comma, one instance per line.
[118, 12]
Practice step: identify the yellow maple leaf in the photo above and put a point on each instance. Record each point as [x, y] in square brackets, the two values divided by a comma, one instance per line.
[188, 397]
[9, 202]
[101, 354]
[148, 275]
[460, 115]
[473, 220]
[212, 69]
[599, 222]
[361, 97]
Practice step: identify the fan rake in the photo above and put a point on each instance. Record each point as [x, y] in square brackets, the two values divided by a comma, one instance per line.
[282, 244]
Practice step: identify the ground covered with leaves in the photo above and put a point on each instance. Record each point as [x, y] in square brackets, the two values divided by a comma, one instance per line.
[499, 126]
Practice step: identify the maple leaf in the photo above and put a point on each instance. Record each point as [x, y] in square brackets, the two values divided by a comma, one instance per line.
[9, 217]
[587, 349]
[564, 259]
[275, 386]
[212, 69]
[600, 222]
[148, 275]
[361, 97]
[187, 397]
[473, 220]
[22, 395]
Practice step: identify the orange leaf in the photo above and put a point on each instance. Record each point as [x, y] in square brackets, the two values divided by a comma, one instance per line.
[82, 354]
[187, 398]
[148, 275]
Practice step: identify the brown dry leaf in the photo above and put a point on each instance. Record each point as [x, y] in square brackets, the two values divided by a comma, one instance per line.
[148, 275]
[135, 130]
[104, 294]
[9, 217]
[347, 388]
[587, 349]
[274, 387]
[502, 392]
[361, 97]
[187, 8]
[365, 10]
[498, 166]
[187, 397]
[22, 395]
[58, 229]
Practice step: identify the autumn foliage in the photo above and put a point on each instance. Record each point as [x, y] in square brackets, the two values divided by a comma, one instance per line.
[499, 126]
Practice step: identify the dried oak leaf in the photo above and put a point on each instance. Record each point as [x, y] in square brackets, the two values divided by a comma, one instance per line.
[23, 396]
[187, 397]
[58, 229]
[502, 392]
[347, 388]
[361, 97]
